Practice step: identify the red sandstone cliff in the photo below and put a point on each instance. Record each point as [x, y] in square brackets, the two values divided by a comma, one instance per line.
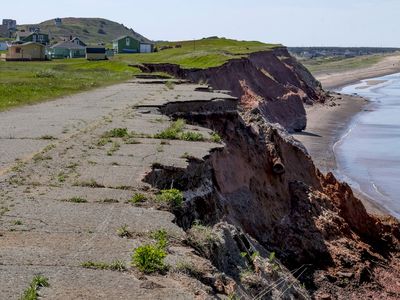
[265, 185]
[271, 80]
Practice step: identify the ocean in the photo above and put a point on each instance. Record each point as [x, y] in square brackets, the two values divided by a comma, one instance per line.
[368, 154]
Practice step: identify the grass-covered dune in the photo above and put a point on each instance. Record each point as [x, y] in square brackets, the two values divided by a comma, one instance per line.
[31, 82]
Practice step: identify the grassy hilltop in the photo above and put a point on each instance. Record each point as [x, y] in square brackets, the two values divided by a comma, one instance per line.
[90, 30]
[30, 82]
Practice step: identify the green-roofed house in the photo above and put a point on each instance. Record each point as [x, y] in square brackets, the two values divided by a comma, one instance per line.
[35, 37]
[129, 44]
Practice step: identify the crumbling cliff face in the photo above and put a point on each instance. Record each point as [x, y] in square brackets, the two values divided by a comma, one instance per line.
[271, 80]
[265, 186]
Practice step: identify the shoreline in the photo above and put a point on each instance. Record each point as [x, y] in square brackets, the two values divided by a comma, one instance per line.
[332, 81]
[326, 125]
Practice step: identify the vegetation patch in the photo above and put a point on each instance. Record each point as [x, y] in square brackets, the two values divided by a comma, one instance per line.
[175, 132]
[216, 138]
[116, 265]
[138, 198]
[77, 200]
[32, 292]
[124, 232]
[202, 238]
[149, 258]
[116, 133]
[172, 197]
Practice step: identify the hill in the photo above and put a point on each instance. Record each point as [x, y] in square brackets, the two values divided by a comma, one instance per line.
[90, 30]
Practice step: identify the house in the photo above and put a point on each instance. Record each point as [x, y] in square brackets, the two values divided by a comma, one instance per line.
[129, 44]
[3, 46]
[7, 28]
[67, 49]
[58, 22]
[98, 53]
[77, 41]
[26, 52]
[35, 37]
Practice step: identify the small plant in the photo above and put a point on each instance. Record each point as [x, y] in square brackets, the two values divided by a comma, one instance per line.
[161, 236]
[215, 137]
[47, 137]
[38, 282]
[116, 133]
[103, 141]
[173, 131]
[17, 222]
[91, 183]
[173, 197]
[77, 200]
[271, 257]
[149, 258]
[40, 157]
[61, 177]
[138, 198]
[191, 136]
[114, 148]
[116, 265]
[124, 232]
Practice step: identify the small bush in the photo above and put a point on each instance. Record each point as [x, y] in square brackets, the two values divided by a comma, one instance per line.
[138, 198]
[77, 200]
[172, 132]
[161, 236]
[116, 265]
[124, 232]
[215, 137]
[31, 293]
[191, 136]
[116, 133]
[170, 85]
[149, 259]
[173, 197]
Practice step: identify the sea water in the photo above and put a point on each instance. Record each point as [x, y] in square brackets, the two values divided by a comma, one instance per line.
[368, 154]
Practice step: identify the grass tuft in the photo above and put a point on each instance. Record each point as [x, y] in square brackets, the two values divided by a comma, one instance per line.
[173, 197]
[116, 265]
[38, 282]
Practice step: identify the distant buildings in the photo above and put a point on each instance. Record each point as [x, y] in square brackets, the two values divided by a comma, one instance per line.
[96, 53]
[26, 52]
[58, 22]
[67, 49]
[128, 44]
[35, 37]
[8, 28]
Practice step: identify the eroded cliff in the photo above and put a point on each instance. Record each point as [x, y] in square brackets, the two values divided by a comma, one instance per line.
[271, 80]
[263, 192]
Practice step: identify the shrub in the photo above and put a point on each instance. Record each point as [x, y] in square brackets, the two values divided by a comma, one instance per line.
[191, 136]
[173, 131]
[173, 197]
[116, 265]
[116, 133]
[149, 258]
[77, 200]
[31, 293]
[138, 198]
[124, 232]
[161, 236]
[215, 137]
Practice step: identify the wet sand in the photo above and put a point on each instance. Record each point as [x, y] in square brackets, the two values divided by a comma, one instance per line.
[326, 124]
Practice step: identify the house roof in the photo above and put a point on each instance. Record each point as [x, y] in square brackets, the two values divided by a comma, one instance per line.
[26, 44]
[27, 33]
[68, 45]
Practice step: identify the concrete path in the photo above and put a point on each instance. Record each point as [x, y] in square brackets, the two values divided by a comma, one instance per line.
[53, 153]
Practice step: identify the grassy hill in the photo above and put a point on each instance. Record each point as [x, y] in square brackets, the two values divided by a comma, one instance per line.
[90, 30]
[204, 53]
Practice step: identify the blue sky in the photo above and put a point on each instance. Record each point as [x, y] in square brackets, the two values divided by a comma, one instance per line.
[290, 22]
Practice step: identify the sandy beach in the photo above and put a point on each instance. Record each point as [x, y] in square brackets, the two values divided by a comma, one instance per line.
[326, 124]
[388, 65]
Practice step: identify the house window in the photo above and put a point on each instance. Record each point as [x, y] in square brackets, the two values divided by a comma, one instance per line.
[34, 38]
[128, 41]
[17, 50]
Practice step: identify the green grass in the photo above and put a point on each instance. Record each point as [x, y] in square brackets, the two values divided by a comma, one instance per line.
[338, 64]
[31, 293]
[204, 53]
[173, 197]
[138, 198]
[24, 83]
[149, 258]
[116, 265]
[175, 132]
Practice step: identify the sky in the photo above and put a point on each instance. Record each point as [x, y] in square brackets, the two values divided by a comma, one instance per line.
[374, 23]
